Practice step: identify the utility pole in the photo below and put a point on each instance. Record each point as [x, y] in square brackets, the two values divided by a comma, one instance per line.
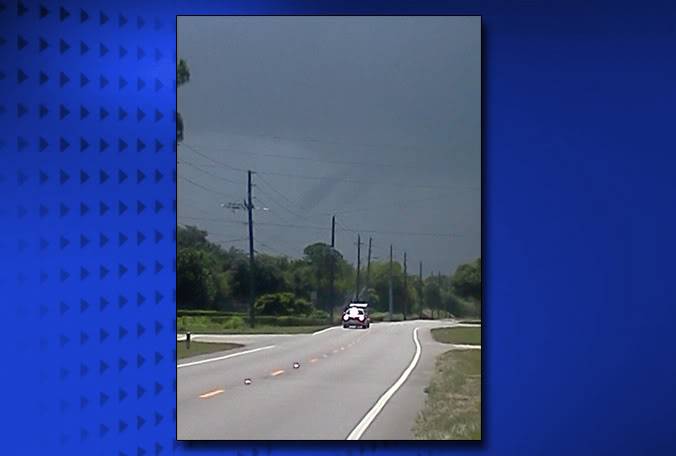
[422, 292]
[405, 289]
[368, 266]
[356, 291]
[333, 268]
[390, 284]
[439, 303]
[252, 291]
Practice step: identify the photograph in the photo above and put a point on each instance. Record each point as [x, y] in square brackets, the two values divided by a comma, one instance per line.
[329, 228]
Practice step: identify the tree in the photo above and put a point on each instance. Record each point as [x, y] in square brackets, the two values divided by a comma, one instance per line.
[195, 285]
[432, 293]
[182, 72]
[380, 277]
[282, 304]
[298, 277]
[467, 280]
[190, 237]
[182, 77]
[318, 257]
[268, 277]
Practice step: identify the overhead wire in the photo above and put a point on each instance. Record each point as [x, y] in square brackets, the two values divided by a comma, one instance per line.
[338, 179]
[204, 187]
[192, 165]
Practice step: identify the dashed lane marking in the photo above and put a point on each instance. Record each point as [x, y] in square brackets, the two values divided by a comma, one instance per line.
[211, 394]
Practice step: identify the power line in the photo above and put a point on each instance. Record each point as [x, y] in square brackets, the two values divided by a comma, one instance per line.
[185, 162]
[226, 240]
[276, 201]
[336, 143]
[318, 160]
[292, 202]
[396, 204]
[405, 233]
[258, 198]
[212, 159]
[271, 248]
[284, 206]
[207, 219]
[203, 187]
[338, 179]
[323, 228]
[367, 182]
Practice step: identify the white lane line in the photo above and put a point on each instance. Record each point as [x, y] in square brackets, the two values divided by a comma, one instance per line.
[376, 409]
[220, 358]
[324, 330]
[277, 372]
[211, 394]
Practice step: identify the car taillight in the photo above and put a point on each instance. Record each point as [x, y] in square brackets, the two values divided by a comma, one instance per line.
[361, 318]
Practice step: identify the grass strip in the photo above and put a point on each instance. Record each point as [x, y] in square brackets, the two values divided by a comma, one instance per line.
[470, 336]
[452, 409]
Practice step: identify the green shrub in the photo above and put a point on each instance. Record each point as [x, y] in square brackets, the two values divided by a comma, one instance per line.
[282, 304]
[234, 323]
[198, 313]
[284, 320]
[202, 323]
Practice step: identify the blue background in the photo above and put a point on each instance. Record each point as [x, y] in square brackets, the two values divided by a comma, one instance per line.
[579, 226]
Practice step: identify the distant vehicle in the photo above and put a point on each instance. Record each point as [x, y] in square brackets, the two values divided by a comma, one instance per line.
[357, 317]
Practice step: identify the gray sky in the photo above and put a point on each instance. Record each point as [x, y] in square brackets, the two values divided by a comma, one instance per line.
[375, 119]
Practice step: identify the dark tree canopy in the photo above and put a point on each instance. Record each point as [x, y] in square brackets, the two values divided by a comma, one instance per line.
[182, 77]
[467, 280]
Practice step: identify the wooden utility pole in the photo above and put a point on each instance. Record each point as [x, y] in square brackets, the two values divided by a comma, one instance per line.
[421, 286]
[405, 302]
[356, 291]
[333, 269]
[390, 285]
[368, 267]
[439, 284]
[252, 291]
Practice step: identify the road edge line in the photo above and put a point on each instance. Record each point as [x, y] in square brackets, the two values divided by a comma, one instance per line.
[371, 415]
[324, 330]
[220, 358]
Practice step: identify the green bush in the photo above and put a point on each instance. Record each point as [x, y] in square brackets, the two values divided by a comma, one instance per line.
[319, 315]
[234, 323]
[203, 323]
[198, 313]
[282, 304]
[267, 320]
[384, 316]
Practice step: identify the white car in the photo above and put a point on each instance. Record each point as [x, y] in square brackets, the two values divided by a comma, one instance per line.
[357, 317]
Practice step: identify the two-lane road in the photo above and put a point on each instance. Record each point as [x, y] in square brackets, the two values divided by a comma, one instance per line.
[349, 383]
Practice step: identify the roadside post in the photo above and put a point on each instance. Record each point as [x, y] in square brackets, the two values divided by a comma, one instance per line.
[187, 340]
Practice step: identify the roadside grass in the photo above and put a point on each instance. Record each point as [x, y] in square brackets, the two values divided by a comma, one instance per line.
[452, 409]
[202, 348]
[471, 321]
[256, 330]
[471, 336]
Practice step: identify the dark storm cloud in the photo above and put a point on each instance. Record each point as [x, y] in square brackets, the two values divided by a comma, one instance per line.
[386, 109]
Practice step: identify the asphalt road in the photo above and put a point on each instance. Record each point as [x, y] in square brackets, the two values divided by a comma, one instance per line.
[343, 387]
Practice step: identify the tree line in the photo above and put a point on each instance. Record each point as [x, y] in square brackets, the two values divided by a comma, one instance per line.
[210, 277]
